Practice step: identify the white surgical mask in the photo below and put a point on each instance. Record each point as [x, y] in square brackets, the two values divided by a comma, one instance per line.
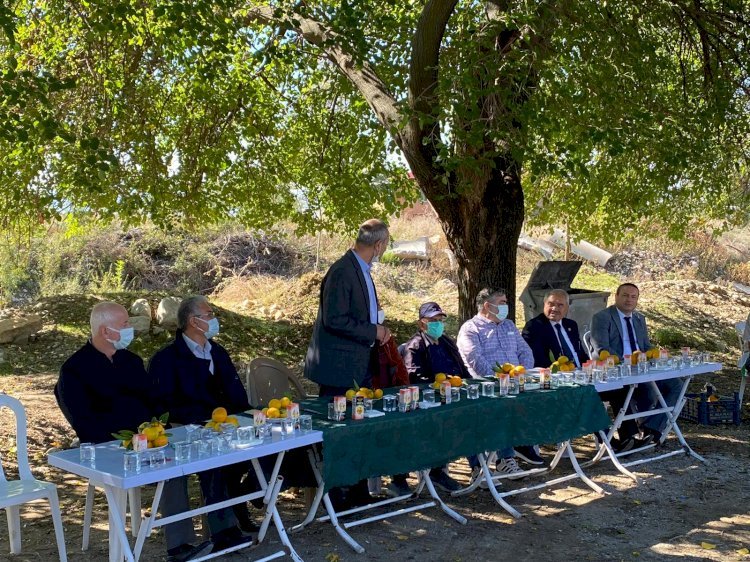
[213, 327]
[126, 337]
[502, 311]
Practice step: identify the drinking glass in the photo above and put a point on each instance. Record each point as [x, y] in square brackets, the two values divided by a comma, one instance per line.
[368, 406]
[157, 458]
[455, 394]
[192, 433]
[554, 380]
[287, 427]
[473, 392]
[389, 403]
[263, 431]
[131, 462]
[88, 453]
[245, 434]
[488, 389]
[182, 452]
[305, 423]
[513, 388]
[428, 395]
[332, 414]
[205, 448]
[225, 443]
[504, 382]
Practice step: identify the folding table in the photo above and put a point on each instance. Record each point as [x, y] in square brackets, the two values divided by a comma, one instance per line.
[673, 412]
[108, 473]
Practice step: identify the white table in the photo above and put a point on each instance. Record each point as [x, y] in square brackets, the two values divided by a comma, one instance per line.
[108, 473]
[673, 413]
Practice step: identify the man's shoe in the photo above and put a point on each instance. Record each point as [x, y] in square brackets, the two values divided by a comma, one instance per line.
[444, 482]
[476, 474]
[624, 445]
[397, 488]
[229, 538]
[509, 469]
[529, 455]
[644, 441]
[186, 552]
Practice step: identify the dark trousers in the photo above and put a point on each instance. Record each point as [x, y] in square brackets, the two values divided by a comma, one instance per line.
[616, 399]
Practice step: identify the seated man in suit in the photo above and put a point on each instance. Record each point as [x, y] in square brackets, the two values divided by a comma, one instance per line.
[427, 353]
[195, 375]
[621, 330]
[103, 388]
[484, 340]
[551, 335]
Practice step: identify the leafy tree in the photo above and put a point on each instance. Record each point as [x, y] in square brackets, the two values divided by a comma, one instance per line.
[603, 113]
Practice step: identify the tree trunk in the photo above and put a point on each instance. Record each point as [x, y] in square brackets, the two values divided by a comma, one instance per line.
[482, 230]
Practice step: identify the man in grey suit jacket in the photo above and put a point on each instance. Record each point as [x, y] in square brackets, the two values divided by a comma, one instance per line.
[621, 330]
[349, 323]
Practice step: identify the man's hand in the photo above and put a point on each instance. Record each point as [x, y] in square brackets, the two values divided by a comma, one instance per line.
[383, 334]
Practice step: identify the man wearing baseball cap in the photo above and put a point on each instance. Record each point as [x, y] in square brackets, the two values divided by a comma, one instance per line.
[427, 353]
[430, 351]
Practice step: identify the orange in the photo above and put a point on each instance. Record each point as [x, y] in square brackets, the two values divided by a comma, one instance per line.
[273, 413]
[233, 420]
[160, 441]
[603, 354]
[151, 432]
[507, 367]
[285, 401]
[219, 415]
[562, 360]
[274, 403]
[350, 394]
[520, 369]
[440, 377]
[378, 394]
[456, 381]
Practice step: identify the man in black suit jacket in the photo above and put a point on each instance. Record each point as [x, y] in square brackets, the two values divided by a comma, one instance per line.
[551, 335]
[347, 331]
[349, 324]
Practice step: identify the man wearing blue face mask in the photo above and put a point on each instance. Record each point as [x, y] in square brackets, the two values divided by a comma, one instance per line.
[195, 375]
[430, 351]
[489, 338]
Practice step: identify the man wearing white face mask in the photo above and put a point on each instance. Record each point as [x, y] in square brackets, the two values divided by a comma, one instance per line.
[485, 340]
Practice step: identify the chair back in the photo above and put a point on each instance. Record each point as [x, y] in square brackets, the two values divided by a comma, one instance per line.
[588, 344]
[22, 456]
[268, 378]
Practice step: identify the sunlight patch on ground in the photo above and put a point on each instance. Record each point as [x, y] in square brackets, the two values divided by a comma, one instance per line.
[722, 539]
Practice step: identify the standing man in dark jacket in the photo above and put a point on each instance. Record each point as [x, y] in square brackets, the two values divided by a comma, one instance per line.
[348, 329]
[195, 375]
[103, 388]
[350, 322]
[430, 351]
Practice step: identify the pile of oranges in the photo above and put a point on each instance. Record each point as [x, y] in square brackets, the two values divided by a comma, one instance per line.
[218, 417]
[154, 430]
[509, 368]
[376, 394]
[440, 378]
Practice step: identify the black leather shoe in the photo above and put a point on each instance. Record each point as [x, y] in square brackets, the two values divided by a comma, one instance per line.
[623, 446]
[229, 538]
[186, 552]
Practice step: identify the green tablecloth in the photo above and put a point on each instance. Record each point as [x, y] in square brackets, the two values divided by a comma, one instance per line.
[398, 443]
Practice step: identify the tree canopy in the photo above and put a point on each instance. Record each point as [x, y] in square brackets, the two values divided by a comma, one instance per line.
[598, 113]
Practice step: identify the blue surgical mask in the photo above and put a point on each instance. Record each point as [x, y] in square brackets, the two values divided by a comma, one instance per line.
[213, 327]
[126, 337]
[502, 311]
[435, 329]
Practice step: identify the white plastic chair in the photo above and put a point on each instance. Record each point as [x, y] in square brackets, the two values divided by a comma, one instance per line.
[14, 493]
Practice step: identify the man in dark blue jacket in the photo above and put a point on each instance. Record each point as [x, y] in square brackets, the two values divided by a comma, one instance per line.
[195, 375]
[102, 389]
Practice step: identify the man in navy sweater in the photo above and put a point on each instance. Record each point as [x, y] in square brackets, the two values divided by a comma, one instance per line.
[102, 389]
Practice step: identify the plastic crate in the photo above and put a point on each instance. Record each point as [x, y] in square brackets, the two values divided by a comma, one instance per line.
[725, 410]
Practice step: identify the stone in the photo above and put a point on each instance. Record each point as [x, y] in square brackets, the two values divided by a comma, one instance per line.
[141, 324]
[158, 330]
[141, 308]
[17, 329]
[166, 313]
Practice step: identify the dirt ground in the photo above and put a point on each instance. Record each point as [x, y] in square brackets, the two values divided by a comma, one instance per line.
[681, 508]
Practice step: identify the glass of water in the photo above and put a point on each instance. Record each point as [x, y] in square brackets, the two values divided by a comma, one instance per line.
[182, 452]
[305, 423]
[88, 453]
[455, 394]
[389, 403]
[245, 434]
[157, 458]
[473, 392]
[131, 462]
[428, 395]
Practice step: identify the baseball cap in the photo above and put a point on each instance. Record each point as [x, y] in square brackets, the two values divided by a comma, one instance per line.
[430, 310]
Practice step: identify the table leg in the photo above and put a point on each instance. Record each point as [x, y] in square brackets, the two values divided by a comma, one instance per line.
[487, 477]
[674, 414]
[426, 480]
[118, 537]
[313, 510]
[147, 524]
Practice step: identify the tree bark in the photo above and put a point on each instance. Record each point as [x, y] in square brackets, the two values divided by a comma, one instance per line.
[483, 235]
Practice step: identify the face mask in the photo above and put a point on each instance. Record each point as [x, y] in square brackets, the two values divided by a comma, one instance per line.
[213, 327]
[126, 336]
[502, 311]
[435, 329]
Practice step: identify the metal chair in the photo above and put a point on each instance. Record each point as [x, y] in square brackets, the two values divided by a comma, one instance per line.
[268, 378]
[14, 493]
